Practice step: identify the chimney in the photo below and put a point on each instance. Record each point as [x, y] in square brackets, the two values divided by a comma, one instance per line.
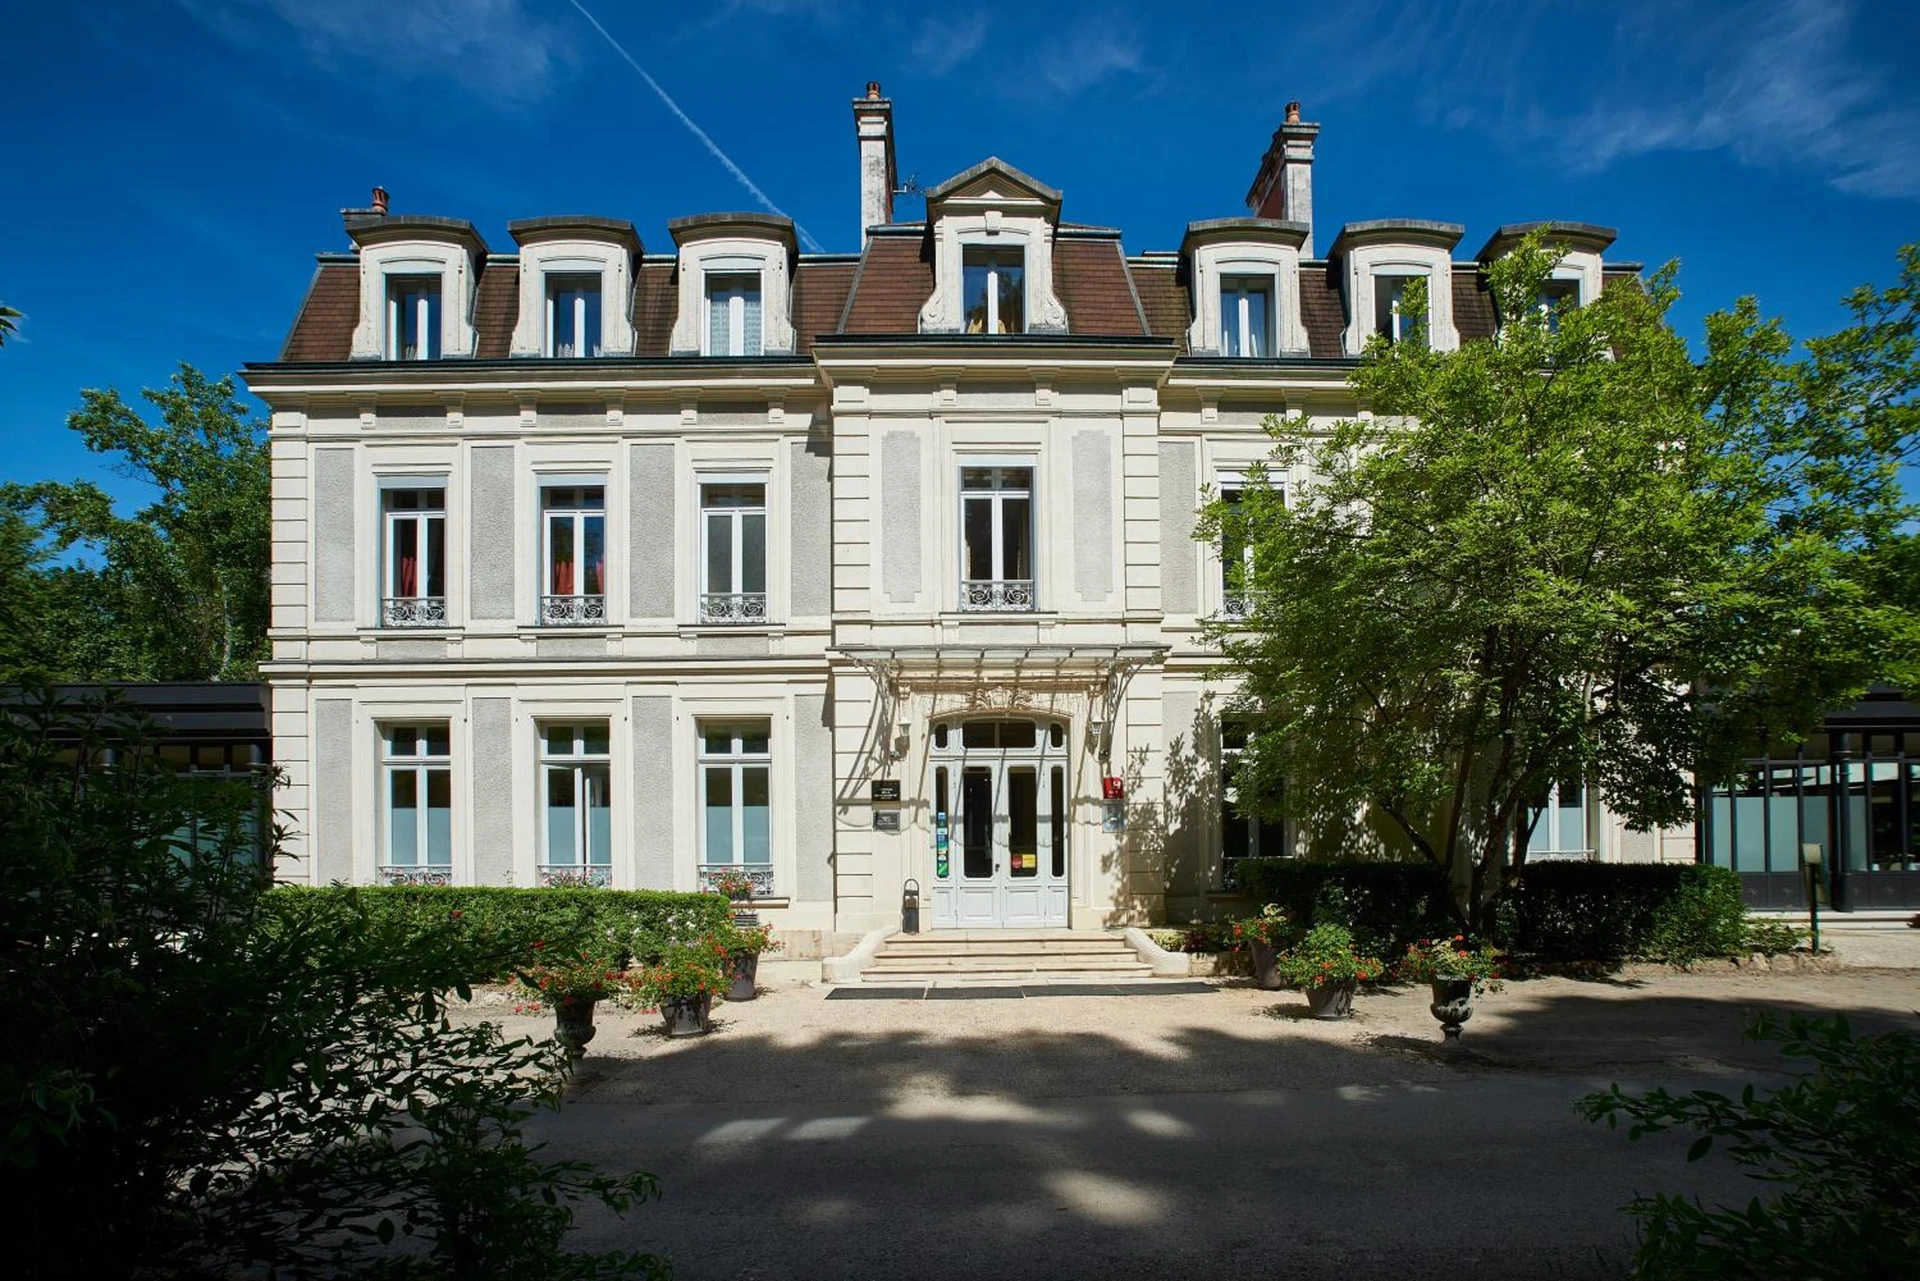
[376, 209]
[1284, 186]
[380, 201]
[873, 129]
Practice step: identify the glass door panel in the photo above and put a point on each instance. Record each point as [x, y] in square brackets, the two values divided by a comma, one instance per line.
[976, 823]
[1023, 821]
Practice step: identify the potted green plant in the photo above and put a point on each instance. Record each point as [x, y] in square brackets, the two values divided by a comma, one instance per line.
[682, 985]
[572, 988]
[1457, 970]
[738, 887]
[1325, 965]
[741, 948]
[1263, 937]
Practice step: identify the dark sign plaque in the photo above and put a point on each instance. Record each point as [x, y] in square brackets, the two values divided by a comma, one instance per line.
[886, 820]
[886, 791]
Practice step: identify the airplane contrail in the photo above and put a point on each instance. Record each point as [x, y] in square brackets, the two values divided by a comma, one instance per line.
[696, 130]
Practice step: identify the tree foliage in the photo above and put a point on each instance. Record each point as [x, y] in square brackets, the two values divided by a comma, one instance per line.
[202, 1079]
[176, 591]
[9, 323]
[1841, 1144]
[1572, 552]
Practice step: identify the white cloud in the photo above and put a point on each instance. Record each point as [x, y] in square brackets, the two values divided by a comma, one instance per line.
[1089, 58]
[941, 46]
[499, 48]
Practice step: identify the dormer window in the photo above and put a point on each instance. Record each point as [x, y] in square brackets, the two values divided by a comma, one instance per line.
[1392, 317]
[413, 318]
[734, 315]
[573, 315]
[1555, 295]
[994, 281]
[1246, 315]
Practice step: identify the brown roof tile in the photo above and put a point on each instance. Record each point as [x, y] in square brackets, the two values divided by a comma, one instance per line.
[819, 296]
[496, 310]
[894, 281]
[1091, 278]
[1323, 310]
[324, 328]
[1473, 310]
[655, 305]
[1163, 297]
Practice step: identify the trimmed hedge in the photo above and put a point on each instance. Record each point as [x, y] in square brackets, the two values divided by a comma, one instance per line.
[1386, 905]
[496, 927]
[1606, 912]
[1619, 911]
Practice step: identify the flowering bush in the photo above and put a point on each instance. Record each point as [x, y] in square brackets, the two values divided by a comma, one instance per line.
[683, 973]
[1452, 960]
[1272, 927]
[737, 886]
[1326, 955]
[736, 939]
[586, 977]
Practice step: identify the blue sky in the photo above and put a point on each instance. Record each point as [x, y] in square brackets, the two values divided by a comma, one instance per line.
[174, 164]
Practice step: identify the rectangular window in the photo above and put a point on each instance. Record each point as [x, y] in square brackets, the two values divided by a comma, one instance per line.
[996, 290]
[1246, 312]
[1559, 820]
[576, 805]
[414, 570]
[733, 314]
[736, 815]
[573, 315]
[1236, 559]
[733, 559]
[574, 575]
[1241, 835]
[1393, 318]
[417, 797]
[1556, 295]
[996, 538]
[413, 318]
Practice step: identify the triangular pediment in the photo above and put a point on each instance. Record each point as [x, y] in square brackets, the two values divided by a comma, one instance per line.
[994, 179]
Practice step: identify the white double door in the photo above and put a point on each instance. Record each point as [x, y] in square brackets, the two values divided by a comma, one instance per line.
[1009, 864]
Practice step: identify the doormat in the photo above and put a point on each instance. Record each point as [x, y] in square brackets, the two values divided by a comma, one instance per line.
[1016, 993]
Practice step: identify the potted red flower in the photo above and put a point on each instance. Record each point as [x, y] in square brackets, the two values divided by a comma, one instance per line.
[572, 988]
[1262, 936]
[1457, 970]
[1325, 965]
[740, 949]
[682, 985]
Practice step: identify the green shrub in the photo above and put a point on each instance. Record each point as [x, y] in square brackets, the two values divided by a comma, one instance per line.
[1387, 906]
[1676, 912]
[1838, 1148]
[498, 927]
[1770, 937]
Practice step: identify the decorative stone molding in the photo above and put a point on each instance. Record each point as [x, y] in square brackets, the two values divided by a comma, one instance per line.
[734, 243]
[992, 205]
[416, 245]
[1265, 247]
[576, 245]
[1397, 247]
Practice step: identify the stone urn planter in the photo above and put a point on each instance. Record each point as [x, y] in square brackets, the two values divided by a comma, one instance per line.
[1452, 1004]
[1331, 1000]
[1263, 955]
[742, 967]
[573, 1024]
[687, 1015]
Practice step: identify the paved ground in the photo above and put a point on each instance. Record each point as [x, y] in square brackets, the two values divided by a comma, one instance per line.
[1187, 1136]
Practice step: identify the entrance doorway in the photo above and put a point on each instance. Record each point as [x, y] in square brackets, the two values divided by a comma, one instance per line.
[1000, 804]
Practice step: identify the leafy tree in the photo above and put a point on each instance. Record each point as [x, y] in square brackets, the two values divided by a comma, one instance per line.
[204, 1080]
[1572, 552]
[1840, 1144]
[9, 323]
[180, 590]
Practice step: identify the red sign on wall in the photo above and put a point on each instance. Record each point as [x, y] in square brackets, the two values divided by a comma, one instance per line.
[1113, 789]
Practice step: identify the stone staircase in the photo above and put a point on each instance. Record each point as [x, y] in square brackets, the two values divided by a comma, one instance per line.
[949, 958]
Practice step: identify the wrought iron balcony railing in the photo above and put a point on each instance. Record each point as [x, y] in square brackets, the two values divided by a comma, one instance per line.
[759, 873]
[733, 607]
[996, 594]
[594, 875]
[413, 611]
[1239, 606]
[414, 874]
[573, 611]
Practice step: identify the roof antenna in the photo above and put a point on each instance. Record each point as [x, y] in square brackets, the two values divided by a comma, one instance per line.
[911, 187]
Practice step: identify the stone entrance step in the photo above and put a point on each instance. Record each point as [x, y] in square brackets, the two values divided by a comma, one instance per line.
[980, 957]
